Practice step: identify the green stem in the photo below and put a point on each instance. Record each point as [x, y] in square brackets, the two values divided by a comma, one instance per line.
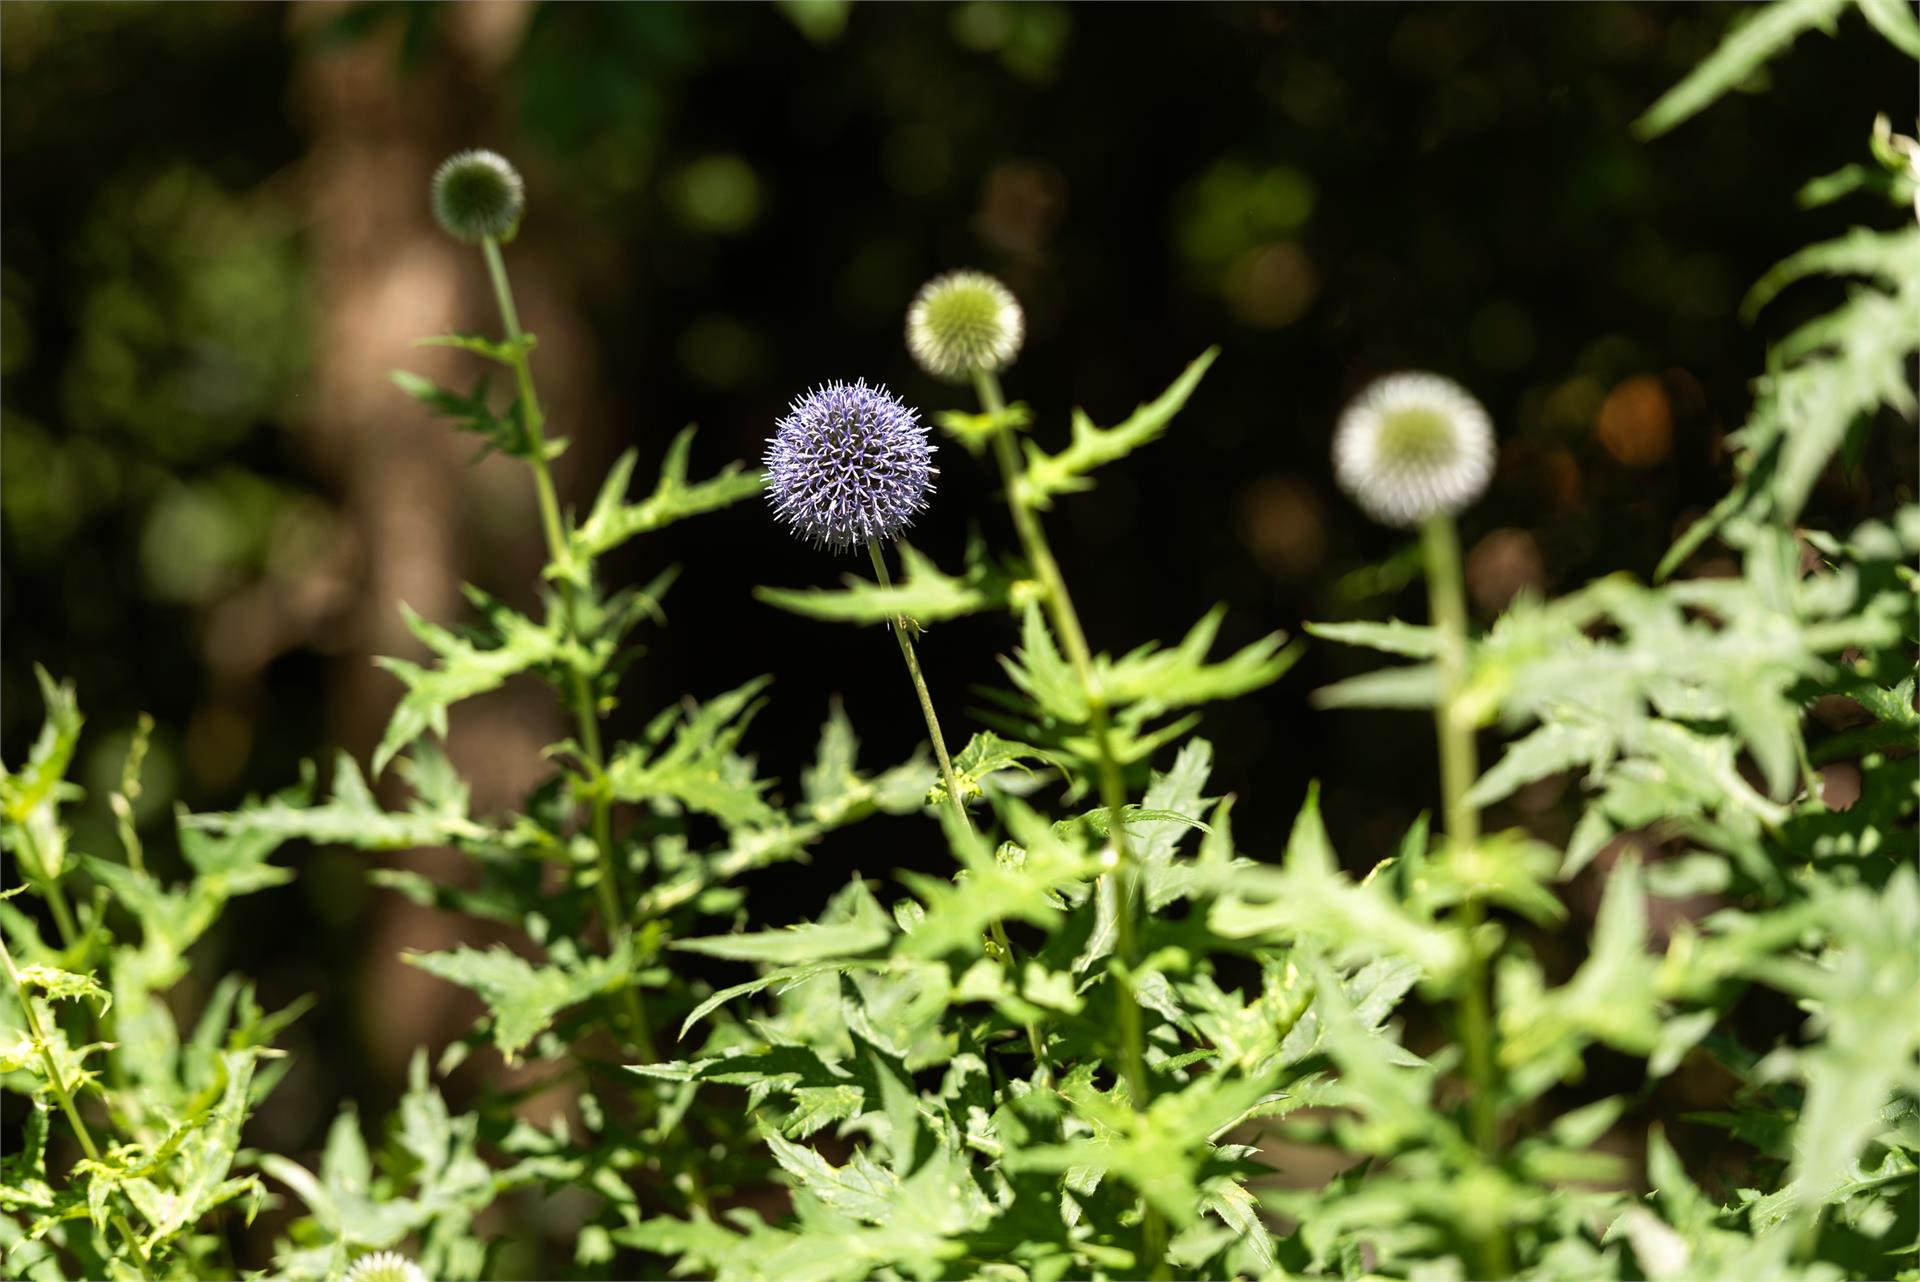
[63, 1095]
[1113, 789]
[1447, 601]
[123, 800]
[63, 917]
[903, 629]
[1459, 767]
[49, 889]
[586, 711]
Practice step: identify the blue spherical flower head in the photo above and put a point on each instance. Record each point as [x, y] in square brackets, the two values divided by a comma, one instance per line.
[847, 464]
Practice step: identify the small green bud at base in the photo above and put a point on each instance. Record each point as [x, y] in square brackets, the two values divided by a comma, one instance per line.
[477, 194]
[964, 323]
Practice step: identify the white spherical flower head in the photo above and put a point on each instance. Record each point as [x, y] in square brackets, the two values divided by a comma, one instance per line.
[385, 1266]
[1413, 446]
[964, 323]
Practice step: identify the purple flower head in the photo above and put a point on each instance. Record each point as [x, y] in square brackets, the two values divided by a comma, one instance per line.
[847, 464]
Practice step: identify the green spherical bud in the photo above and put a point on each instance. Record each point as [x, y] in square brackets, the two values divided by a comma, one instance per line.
[477, 194]
[385, 1266]
[964, 323]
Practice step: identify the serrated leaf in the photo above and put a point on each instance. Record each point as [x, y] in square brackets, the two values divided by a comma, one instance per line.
[1046, 475]
[1614, 998]
[65, 985]
[1309, 898]
[516, 645]
[1759, 35]
[469, 413]
[922, 593]
[30, 797]
[1823, 377]
[503, 351]
[613, 521]
[1413, 686]
[866, 929]
[699, 767]
[352, 817]
[1018, 887]
[986, 754]
[524, 997]
[1412, 641]
[976, 431]
[837, 793]
[1548, 750]
[1894, 19]
[782, 978]
[1153, 681]
[1160, 1151]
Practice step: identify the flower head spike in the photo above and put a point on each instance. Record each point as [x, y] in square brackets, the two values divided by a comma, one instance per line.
[847, 464]
[385, 1266]
[964, 323]
[1413, 446]
[477, 194]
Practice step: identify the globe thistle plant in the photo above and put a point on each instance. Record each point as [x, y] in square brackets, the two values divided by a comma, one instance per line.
[1413, 450]
[385, 1266]
[853, 464]
[478, 198]
[849, 464]
[1413, 446]
[963, 324]
[478, 195]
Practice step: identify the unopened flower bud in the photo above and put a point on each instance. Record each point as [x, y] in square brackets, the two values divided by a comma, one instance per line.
[964, 323]
[477, 194]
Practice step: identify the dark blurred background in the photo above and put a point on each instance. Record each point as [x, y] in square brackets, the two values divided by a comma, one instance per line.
[216, 243]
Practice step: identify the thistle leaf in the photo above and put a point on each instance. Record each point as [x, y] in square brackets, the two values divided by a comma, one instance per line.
[524, 997]
[699, 768]
[613, 520]
[1047, 475]
[467, 667]
[922, 593]
[1758, 35]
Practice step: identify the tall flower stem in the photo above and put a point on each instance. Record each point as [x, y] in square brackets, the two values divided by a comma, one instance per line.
[585, 708]
[1459, 766]
[58, 1085]
[903, 630]
[1113, 789]
[1459, 756]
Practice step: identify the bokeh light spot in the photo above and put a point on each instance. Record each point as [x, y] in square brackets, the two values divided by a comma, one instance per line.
[1636, 422]
[719, 194]
[1272, 286]
[1282, 524]
[1501, 566]
[1022, 202]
